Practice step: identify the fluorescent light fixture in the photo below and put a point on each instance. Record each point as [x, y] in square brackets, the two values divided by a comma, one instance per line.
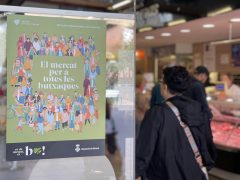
[120, 4]
[185, 30]
[228, 41]
[220, 11]
[149, 37]
[143, 29]
[166, 34]
[176, 22]
[235, 20]
[208, 26]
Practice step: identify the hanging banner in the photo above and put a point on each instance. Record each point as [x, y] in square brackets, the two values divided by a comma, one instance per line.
[56, 87]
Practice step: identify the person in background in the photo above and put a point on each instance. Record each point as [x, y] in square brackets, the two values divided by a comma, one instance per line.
[156, 98]
[163, 149]
[142, 102]
[196, 90]
[112, 147]
[233, 90]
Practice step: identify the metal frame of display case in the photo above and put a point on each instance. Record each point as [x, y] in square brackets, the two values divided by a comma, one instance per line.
[33, 10]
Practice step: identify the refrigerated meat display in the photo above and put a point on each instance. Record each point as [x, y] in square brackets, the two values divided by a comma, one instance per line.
[225, 127]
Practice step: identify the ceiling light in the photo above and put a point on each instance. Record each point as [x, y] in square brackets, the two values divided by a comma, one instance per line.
[176, 22]
[143, 29]
[185, 30]
[235, 20]
[220, 11]
[166, 34]
[208, 26]
[149, 37]
[119, 4]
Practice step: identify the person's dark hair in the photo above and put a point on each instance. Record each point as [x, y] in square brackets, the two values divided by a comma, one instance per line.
[201, 70]
[176, 78]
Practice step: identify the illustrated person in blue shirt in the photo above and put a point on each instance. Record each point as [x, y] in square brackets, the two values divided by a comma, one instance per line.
[21, 99]
[72, 120]
[39, 107]
[59, 52]
[40, 121]
[93, 75]
[86, 66]
[50, 118]
[29, 90]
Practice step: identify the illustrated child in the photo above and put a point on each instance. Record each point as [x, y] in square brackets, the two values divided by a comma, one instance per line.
[59, 52]
[72, 119]
[19, 126]
[80, 43]
[65, 119]
[16, 66]
[21, 99]
[28, 64]
[50, 118]
[32, 52]
[57, 119]
[87, 116]
[91, 43]
[68, 103]
[36, 97]
[69, 52]
[86, 66]
[93, 75]
[91, 109]
[79, 120]
[86, 84]
[40, 122]
[51, 50]
[27, 45]
[29, 90]
[26, 111]
[21, 74]
[39, 107]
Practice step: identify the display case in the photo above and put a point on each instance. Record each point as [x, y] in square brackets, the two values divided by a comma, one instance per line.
[226, 134]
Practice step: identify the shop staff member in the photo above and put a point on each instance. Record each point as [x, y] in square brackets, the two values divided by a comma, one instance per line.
[196, 89]
[233, 90]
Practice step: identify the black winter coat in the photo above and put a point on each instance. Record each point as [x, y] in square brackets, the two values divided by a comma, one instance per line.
[163, 151]
[196, 91]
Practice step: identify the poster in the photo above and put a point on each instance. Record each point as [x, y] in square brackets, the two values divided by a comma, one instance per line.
[224, 59]
[56, 87]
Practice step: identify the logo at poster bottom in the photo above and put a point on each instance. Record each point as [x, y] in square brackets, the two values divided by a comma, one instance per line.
[77, 149]
[36, 151]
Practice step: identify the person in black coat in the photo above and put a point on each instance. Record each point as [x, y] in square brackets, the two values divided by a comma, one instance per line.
[163, 151]
[196, 90]
[156, 98]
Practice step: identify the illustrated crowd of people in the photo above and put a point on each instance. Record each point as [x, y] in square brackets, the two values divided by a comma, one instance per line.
[46, 111]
